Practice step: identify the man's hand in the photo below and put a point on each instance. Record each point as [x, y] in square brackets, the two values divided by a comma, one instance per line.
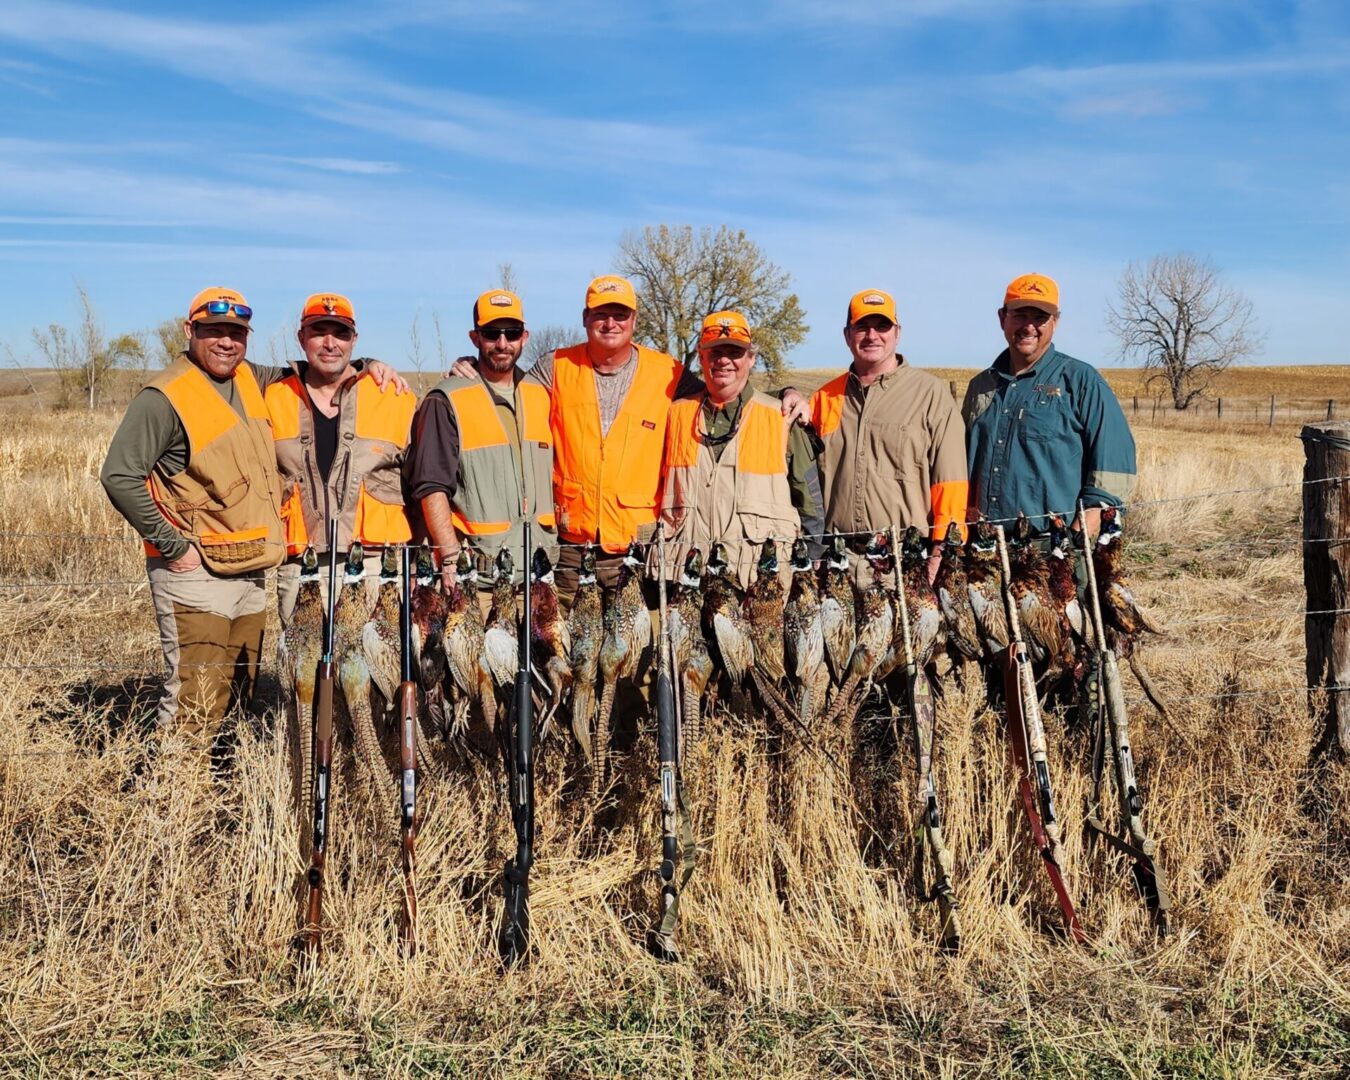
[796, 409]
[1093, 520]
[934, 561]
[464, 367]
[385, 376]
[189, 560]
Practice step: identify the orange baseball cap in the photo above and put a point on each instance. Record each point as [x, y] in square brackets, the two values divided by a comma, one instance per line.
[724, 327]
[611, 289]
[871, 302]
[328, 307]
[1033, 290]
[497, 304]
[218, 304]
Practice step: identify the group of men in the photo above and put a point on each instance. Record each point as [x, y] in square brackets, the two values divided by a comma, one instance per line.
[227, 468]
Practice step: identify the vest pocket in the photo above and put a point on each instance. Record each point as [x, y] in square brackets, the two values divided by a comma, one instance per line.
[634, 499]
[213, 499]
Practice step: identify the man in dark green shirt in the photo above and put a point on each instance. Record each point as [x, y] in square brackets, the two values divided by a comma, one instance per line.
[1043, 430]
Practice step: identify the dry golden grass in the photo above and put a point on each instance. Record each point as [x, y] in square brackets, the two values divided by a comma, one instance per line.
[147, 912]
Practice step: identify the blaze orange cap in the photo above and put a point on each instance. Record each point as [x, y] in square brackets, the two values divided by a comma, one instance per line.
[724, 327]
[328, 307]
[1033, 290]
[871, 302]
[497, 304]
[611, 289]
[198, 313]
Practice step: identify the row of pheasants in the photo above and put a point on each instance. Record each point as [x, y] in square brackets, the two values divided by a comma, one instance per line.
[809, 650]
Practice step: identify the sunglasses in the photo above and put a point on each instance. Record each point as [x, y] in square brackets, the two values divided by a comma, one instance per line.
[224, 307]
[492, 333]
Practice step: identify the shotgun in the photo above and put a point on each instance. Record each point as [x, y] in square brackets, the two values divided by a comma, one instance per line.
[514, 942]
[1111, 730]
[323, 760]
[407, 756]
[1026, 741]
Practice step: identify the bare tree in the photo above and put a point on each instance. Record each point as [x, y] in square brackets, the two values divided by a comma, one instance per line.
[83, 358]
[167, 341]
[23, 372]
[506, 276]
[1182, 323]
[415, 355]
[548, 339]
[683, 276]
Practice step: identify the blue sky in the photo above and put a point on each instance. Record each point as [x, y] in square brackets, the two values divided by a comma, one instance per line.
[399, 152]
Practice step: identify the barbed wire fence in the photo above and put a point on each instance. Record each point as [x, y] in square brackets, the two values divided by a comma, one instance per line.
[18, 590]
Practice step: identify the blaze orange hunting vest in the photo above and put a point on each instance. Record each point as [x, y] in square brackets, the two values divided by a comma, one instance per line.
[606, 487]
[227, 502]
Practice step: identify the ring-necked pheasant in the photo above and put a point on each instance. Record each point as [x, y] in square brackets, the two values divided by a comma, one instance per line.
[763, 607]
[875, 626]
[838, 604]
[469, 679]
[692, 663]
[926, 632]
[551, 640]
[585, 626]
[725, 628]
[500, 657]
[803, 638]
[300, 652]
[428, 638]
[1045, 629]
[628, 634]
[1124, 621]
[1064, 592]
[350, 616]
[984, 591]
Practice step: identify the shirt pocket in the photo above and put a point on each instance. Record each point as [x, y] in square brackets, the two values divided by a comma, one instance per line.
[894, 448]
[1046, 418]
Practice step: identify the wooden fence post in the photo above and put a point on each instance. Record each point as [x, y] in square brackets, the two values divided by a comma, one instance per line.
[1155, 408]
[1136, 412]
[1326, 571]
[1331, 408]
[1220, 417]
[1272, 410]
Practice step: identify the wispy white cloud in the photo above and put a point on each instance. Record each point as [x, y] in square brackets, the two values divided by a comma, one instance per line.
[350, 166]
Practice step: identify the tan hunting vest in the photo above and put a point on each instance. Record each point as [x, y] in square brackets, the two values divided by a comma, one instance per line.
[227, 502]
[742, 499]
[488, 504]
[364, 491]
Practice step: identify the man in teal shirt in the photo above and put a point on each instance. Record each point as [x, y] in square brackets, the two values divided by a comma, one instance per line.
[1043, 430]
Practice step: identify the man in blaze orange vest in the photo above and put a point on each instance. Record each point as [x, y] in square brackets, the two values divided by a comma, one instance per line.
[191, 468]
[340, 440]
[895, 450]
[737, 471]
[609, 401]
[482, 453]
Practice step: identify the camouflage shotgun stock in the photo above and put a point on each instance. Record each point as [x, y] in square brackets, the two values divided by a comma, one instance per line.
[322, 756]
[1026, 743]
[1111, 731]
[923, 718]
[675, 823]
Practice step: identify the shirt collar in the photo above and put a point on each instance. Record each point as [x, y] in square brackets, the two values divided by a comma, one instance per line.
[1003, 368]
[742, 398]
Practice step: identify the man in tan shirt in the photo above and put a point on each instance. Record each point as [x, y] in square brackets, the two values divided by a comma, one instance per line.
[894, 443]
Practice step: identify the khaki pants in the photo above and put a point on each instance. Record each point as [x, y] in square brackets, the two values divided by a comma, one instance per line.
[288, 581]
[211, 629]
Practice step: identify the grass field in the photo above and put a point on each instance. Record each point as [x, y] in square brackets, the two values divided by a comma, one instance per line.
[147, 912]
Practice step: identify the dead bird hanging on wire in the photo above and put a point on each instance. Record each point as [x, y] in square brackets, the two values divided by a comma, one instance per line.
[875, 625]
[628, 635]
[428, 638]
[951, 589]
[692, 664]
[803, 636]
[355, 678]
[763, 607]
[300, 651]
[1045, 628]
[838, 605]
[468, 678]
[725, 627]
[500, 657]
[926, 629]
[1064, 593]
[984, 592]
[551, 648]
[586, 628]
[1124, 621]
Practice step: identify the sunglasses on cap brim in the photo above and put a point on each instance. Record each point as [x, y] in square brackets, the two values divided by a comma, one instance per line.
[225, 307]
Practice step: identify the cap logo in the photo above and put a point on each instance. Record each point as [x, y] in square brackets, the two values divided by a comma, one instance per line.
[873, 298]
[500, 300]
[1033, 287]
[607, 286]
